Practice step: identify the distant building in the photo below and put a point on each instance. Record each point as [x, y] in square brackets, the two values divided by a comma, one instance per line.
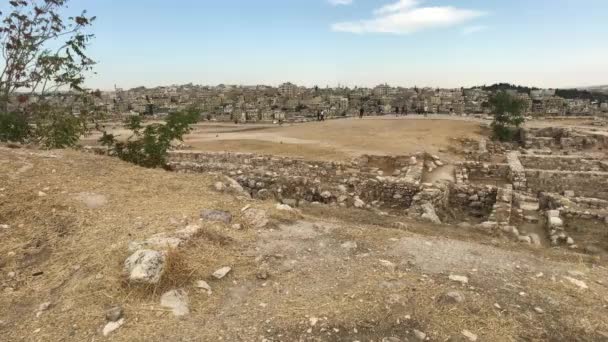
[288, 89]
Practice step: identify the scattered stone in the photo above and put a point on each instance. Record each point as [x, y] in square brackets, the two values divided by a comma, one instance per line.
[114, 314]
[453, 297]
[145, 266]
[400, 225]
[284, 207]
[222, 272]
[459, 278]
[389, 265]
[469, 335]
[188, 232]
[177, 301]
[41, 194]
[535, 239]
[420, 336]
[42, 308]
[219, 186]
[359, 203]
[4, 226]
[262, 274]
[201, 284]
[237, 226]
[349, 245]
[211, 215]
[255, 218]
[539, 310]
[313, 321]
[525, 239]
[326, 195]
[110, 327]
[581, 284]
[430, 214]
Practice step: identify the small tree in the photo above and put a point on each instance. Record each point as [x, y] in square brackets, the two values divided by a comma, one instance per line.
[42, 53]
[149, 144]
[508, 115]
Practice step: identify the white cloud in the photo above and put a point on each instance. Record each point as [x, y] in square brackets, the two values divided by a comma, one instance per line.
[473, 29]
[405, 16]
[340, 2]
[401, 5]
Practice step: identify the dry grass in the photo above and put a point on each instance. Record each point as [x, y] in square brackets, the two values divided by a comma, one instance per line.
[81, 253]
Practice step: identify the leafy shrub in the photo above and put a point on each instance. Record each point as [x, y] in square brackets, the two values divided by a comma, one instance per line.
[14, 127]
[149, 144]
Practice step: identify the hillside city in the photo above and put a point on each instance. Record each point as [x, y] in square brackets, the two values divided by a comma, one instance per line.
[291, 102]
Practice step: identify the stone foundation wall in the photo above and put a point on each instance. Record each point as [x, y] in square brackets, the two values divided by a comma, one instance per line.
[297, 181]
[562, 163]
[564, 138]
[586, 184]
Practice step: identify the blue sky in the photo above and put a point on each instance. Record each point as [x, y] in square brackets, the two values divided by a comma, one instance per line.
[548, 43]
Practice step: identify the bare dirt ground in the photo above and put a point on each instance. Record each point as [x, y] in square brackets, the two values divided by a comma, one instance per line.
[333, 139]
[344, 139]
[333, 274]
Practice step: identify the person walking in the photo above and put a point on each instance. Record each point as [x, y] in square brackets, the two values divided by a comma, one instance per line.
[361, 112]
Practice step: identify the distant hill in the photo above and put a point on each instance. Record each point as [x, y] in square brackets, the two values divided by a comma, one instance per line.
[596, 93]
[597, 89]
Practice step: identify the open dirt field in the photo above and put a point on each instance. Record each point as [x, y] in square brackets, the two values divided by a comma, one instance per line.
[333, 139]
[323, 274]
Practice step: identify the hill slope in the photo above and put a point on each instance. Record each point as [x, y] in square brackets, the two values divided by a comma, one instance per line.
[326, 274]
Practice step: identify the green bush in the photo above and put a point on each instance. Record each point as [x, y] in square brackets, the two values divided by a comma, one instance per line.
[149, 144]
[13, 127]
[508, 116]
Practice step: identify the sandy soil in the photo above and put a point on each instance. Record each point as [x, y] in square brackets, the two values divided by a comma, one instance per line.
[334, 274]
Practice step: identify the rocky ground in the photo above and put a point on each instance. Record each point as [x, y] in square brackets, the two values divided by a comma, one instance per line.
[257, 272]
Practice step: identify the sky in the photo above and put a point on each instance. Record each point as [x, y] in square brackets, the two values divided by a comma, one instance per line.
[436, 43]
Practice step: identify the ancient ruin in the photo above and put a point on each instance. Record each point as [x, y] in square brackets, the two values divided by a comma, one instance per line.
[551, 192]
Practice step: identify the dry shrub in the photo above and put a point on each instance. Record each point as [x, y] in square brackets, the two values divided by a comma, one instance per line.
[214, 235]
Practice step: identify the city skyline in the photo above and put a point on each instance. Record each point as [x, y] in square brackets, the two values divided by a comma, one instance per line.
[425, 43]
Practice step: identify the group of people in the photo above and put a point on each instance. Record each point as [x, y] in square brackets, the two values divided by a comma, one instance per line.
[321, 115]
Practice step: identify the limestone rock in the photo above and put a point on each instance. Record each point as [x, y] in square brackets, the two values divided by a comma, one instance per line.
[430, 214]
[211, 215]
[145, 266]
[114, 314]
[219, 186]
[222, 272]
[349, 245]
[459, 278]
[177, 301]
[284, 207]
[110, 327]
[453, 297]
[419, 335]
[469, 335]
[188, 232]
[201, 284]
[359, 203]
[255, 218]
[581, 284]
